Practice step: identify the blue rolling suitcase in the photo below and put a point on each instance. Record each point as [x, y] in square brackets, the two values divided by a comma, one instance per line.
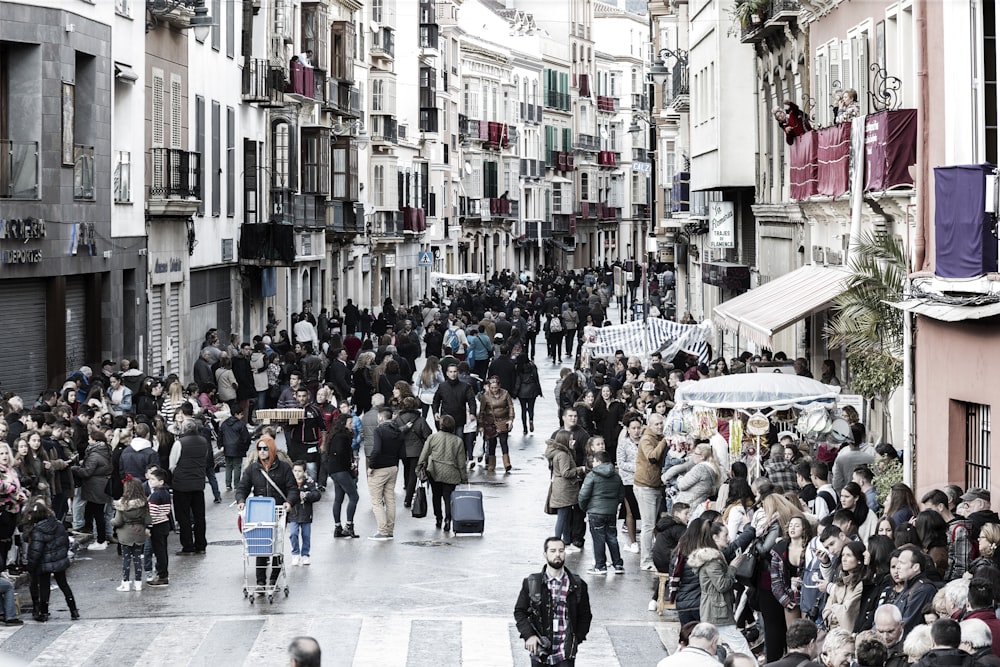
[467, 512]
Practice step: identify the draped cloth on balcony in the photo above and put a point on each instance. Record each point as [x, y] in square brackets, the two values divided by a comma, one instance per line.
[833, 160]
[964, 245]
[890, 148]
[802, 173]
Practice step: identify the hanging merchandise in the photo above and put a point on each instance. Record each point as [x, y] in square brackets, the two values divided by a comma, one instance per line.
[735, 437]
[758, 424]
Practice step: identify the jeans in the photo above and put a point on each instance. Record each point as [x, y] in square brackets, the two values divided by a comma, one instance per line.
[564, 523]
[648, 499]
[297, 531]
[158, 537]
[7, 595]
[569, 335]
[603, 529]
[382, 491]
[213, 481]
[189, 507]
[132, 555]
[78, 507]
[344, 484]
[234, 465]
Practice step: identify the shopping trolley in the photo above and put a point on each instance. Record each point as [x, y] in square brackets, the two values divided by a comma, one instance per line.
[263, 537]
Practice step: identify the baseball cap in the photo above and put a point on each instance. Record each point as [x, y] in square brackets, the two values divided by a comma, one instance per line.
[976, 493]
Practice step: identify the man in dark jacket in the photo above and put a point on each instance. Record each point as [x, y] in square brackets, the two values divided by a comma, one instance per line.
[388, 450]
[917, 591]
[408, 344]
[190, 456]
[269, 477]
[235, 441]
[339, 375]
[303, 437]
[947, 636]
[505, 369]
[454, 398]
[669, 528]
[552, 612]
[244, 378]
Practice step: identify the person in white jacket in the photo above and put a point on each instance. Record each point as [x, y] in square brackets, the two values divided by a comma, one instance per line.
[699, 478]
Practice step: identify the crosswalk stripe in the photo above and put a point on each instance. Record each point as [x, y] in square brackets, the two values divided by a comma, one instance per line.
[382, 642]
[75, 646]
[485, 642]
[177, 642]
[271, 644]
[598, 648]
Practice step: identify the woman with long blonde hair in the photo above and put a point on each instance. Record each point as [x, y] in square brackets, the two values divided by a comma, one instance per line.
[364, 383]
[173, 399]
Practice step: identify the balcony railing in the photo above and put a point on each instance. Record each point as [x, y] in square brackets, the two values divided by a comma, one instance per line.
[18, 169]
[470, 207]
[605, 103]
[263, 84]
[640, 211]
[344, 216]
[607, 213]
[343, 98]
[383, 129]
[497, 135]
[640, 155]
[769, 20]
[639, 101]
[503, 207]
[175, 174]
[587, 142]
[557, 100]
[384, 44]
[387, 223]
[680, 88]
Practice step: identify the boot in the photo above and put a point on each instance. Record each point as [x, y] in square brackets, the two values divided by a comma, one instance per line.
[74, 613]
[339, 532]
[42, 614]
[491, 463]
[531, 425]
[506, 463]
[349, 532]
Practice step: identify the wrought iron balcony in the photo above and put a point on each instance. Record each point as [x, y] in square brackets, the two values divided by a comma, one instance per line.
[175, 181]
[387, 224]
[587, 142]
[18, 169]
[263, 84]
[267, 244]
[557, 100]
[680, 89]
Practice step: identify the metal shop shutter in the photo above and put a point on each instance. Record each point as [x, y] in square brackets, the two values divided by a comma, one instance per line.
[23, 306]
[76, 323]
[156, 329]
[174, 313]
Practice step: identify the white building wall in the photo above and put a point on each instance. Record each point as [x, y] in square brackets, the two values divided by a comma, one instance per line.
[128, 47]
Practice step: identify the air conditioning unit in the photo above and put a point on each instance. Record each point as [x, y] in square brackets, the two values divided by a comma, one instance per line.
[818, 254]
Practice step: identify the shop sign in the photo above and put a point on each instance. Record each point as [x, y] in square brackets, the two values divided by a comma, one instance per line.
[173, 265]
[721, 227]
[22, 229]
[21, 256]
[389, 260]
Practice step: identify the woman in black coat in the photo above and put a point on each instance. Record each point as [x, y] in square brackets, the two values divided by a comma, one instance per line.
[527, 389]
[48, 556]
[93, 474]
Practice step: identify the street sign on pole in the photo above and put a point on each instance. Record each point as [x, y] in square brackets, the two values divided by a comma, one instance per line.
[425, 258]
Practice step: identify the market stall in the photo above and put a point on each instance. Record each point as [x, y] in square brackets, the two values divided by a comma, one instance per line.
[748, 403]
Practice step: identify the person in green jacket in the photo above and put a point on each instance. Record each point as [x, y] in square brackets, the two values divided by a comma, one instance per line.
[600, 496]
[442, 460]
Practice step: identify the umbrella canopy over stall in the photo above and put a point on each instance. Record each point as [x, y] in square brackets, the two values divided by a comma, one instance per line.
[755, 391]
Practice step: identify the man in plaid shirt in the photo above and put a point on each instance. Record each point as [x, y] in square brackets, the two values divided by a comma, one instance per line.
[780, 471]
[553, 610]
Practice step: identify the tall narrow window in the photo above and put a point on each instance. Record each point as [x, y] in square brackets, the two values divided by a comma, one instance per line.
[977, 445]
[216, 165]
[199, 138]
[230, 161]
[216, 28]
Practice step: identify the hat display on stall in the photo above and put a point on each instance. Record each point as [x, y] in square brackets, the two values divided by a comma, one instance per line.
[788, 434]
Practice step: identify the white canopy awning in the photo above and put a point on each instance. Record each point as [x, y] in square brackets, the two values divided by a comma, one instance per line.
[765, 310]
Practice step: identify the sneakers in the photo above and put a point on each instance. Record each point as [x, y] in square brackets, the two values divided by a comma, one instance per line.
[619, 569]
[573, 549]
[634, 547]
[98, 546]
[296, 559]
[13, 621]
[124, 587]
[158, 581]
[651, 606]
[379, 537]
[597, 570]
[305, 560]
[137, 585]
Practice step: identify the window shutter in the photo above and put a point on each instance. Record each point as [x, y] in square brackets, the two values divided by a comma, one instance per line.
[158, 111]
[860, 51]
[216, 159]
[230, 161]
[216, 28]
[176, 110]
[230, 29]
[199, 139]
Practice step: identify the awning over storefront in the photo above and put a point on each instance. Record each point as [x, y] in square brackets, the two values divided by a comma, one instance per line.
[947, 312]
[767, 309]
[565, 247]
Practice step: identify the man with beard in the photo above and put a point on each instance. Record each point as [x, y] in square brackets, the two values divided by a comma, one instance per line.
[457, 399]
[552, 612]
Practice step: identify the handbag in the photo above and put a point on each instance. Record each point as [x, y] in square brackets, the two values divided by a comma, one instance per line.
[420, 502]
[747, 569]
[548, 502]
[490, 430]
